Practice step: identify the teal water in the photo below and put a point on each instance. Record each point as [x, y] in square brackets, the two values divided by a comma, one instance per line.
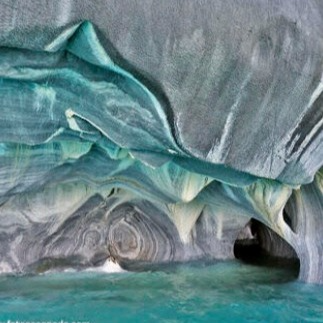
[222, 292]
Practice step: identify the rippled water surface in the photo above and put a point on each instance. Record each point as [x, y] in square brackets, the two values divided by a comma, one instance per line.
[223, 292]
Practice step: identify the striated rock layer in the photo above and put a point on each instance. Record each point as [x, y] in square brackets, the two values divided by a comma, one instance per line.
[157, 139]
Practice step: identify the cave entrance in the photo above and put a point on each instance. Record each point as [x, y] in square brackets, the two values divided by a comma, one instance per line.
[258, 245]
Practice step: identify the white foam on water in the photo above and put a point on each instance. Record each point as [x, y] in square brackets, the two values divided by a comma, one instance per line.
[109, 266]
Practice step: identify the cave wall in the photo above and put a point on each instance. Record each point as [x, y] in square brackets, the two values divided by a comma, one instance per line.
[155, 135]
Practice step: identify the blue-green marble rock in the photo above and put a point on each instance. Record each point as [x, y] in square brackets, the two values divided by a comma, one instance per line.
[158, 134]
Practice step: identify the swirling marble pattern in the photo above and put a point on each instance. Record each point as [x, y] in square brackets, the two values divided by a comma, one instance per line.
[134, 234]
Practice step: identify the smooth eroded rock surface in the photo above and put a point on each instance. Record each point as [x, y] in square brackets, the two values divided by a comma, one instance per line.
[153, 131]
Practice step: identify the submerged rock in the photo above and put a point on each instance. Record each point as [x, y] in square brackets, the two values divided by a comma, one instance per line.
[153, 142]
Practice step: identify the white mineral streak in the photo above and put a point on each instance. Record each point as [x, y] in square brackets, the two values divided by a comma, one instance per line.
[45, 97]
[55, 134]
[60, 41]
[219, 230]
[219, 152]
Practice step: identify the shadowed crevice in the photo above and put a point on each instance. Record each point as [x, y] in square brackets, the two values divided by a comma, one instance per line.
[258, 245]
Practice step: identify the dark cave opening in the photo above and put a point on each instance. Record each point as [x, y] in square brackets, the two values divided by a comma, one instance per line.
[258, 245]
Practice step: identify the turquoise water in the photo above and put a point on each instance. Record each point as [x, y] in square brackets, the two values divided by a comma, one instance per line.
[223, 292]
